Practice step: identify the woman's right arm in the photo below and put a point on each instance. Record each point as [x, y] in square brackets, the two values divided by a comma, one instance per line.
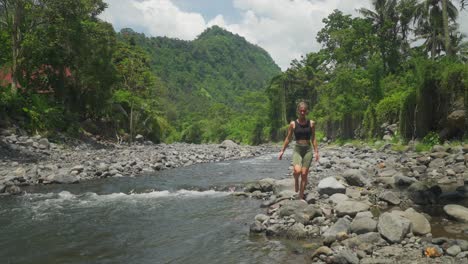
[286, 140]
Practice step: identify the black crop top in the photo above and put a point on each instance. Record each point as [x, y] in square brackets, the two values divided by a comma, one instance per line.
[302, 132]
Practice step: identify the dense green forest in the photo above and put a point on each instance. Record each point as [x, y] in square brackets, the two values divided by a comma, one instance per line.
[64, 70]
[401, 62]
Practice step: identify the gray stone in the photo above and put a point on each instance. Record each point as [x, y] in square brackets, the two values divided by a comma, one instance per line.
[283, 185]
[393, 227]
[420, 224]
[228, 144]
[453, 250]
[290, 207]
[12, 189]
[350, 208]
[341, 226]
[257, 227]
[401, 180]
[458, 212]
[365, 241]
[44, 143]
[323, 250]
[296, 231]
[437, 163]
[355, 177]
[338, 197]
[438, 155]
[330, 186]
[78, 168]
[266, 185]
[363, 225]
[463, 244]
[261, 218]
[438, 148]
[346, 256]
[388, 173]
[369, 260]
[390, 197]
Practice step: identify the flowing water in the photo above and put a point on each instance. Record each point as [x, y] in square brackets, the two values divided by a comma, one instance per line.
[174, 216]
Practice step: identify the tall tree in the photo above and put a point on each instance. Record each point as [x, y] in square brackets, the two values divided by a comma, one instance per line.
[433, 18]
[20, 18]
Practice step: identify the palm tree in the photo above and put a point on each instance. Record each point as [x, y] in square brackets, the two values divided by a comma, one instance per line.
[432, 18]
[385, 19]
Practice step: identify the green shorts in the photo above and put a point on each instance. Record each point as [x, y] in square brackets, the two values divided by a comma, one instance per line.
[302, 155]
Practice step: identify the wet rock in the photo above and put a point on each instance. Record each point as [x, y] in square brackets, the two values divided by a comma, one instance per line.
[261, 218]
[458, 212]
[390, 197]
[393, 227]
[422, 194]
[266, 185]
[296, 231]
[12, 189]
[350, 208]
[257, 227]
[330, 186]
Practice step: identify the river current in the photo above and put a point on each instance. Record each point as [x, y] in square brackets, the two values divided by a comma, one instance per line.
[183, 215]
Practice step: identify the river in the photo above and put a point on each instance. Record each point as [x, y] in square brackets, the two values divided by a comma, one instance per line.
[183, 215]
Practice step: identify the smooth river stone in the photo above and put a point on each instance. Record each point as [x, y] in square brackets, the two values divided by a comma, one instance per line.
[330, 186]
[350, 208]
[460, 213]
[393, 227]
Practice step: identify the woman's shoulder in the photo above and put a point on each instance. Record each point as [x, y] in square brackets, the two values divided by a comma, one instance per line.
[312, 123]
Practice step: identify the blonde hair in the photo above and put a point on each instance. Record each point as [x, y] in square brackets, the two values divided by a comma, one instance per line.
[302, 104]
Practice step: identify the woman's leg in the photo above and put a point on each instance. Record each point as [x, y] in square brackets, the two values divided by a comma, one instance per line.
[297, 164]
[296, 173]
[306, 161]
[304, 174]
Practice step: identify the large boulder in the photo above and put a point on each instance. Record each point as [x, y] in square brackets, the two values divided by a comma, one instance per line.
[330, 186]
[456, 119]
[393, 227]
[420, 224]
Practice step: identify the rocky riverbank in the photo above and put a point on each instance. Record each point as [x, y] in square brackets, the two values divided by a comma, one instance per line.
[371, 206]
[35, 160]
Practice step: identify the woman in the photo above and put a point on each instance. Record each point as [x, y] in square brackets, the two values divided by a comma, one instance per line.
[304, 133]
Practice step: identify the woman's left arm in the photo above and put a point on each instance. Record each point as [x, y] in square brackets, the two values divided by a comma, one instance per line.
[314, 141]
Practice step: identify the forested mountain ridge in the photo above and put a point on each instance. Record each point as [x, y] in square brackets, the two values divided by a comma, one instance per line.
[217, 64]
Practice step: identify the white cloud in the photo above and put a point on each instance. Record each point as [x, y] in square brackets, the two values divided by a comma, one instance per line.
[285, 28]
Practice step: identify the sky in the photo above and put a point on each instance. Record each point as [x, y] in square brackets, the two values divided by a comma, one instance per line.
[286, 29]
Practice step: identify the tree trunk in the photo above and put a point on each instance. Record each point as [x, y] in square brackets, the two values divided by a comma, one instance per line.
[16, 42]
[131, 122]
[448, 50]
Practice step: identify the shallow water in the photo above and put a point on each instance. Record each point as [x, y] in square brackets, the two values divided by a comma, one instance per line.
[174, 216]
